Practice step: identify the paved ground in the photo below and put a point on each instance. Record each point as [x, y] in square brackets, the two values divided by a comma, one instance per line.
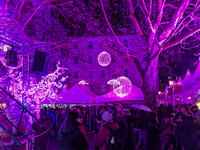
[52, 144]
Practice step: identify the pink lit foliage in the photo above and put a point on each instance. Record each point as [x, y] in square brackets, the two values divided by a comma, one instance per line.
[122, 86]
[36, 93]
[104, 58]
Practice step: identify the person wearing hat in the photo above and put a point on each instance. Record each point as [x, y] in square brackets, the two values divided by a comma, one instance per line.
[102, 139]
[118, 119]
[39, 129]
[129, 120]
[70, 137]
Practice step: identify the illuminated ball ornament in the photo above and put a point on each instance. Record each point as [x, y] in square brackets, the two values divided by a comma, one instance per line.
[122, 86]
[104, 58]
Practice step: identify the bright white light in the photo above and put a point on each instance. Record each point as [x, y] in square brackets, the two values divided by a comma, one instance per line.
[83, 82]
[47, 88]
[104, 58]
[122, 86]
[159, 92]
[6, 47]
[171, 82]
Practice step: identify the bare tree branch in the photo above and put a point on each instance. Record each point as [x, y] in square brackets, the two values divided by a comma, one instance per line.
[112, 28]
[159, 18]
[20, 10]
[174, 21]
[134, 20]
[145, 8]
[192, 32]
[170, 5]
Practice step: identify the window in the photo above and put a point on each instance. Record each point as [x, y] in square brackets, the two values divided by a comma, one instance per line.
[126, 73]
[113, 59]
[90, 60]
[75, 46]
[144, 58]
[101, 45]
[91, 88]
[75, 74]
[125, 42]
[75, 60]
[123, 30]
[90, 46]
[102, 74]
[108, 30]
[114, 75]
[103, 89]
[125, 60]
[91, 74]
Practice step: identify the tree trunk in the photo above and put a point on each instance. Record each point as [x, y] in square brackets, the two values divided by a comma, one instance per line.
[151, 78]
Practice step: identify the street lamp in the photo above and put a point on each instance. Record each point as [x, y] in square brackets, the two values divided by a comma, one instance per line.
[171, 83]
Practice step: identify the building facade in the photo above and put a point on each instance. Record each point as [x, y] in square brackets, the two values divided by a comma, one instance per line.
[82, 62]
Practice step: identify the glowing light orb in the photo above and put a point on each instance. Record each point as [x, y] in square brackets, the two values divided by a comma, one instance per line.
[104, 58]
[83, 82]
[122, 86]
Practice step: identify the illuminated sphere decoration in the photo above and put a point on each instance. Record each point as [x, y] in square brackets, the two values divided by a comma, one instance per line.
[104, 58]
[122, 86]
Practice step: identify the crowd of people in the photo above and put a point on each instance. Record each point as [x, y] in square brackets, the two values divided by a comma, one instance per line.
[119, 127]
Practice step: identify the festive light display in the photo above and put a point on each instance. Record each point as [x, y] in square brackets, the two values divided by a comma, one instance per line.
[122, 86]
[47, 88]
[104, 58]
[20, 62]
[83, 82]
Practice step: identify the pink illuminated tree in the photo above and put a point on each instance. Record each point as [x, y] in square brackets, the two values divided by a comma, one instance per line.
[163, 24]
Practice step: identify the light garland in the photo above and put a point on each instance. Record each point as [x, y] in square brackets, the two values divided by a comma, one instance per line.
[47, 88]
[104, 58]
[122, 86]
[83, 82]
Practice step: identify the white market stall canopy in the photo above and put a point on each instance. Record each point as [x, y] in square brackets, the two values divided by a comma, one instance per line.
[136, 96]
[78, 94]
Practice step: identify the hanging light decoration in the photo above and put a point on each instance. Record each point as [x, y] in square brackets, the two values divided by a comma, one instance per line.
[122, 86]
[104, 58]
[83, 82]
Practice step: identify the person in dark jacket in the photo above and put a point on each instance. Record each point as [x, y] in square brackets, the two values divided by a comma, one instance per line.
[129, 139]
[189, 128]
[142, 126]
[161, 115]
[70, 137]
[153, 141]
[169, 130]
[179, 117]
[118, 119]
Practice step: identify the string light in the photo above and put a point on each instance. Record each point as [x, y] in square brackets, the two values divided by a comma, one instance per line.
[83, 82]
[47, 88]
